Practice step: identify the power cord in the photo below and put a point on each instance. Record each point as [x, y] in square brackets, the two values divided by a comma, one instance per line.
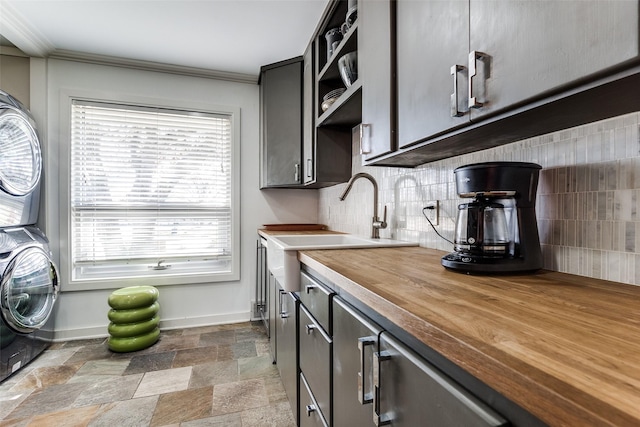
[431, 224]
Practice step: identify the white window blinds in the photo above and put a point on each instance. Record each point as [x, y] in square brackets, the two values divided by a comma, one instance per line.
[150, 192]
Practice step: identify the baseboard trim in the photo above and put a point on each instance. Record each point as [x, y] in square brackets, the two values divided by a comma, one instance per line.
[165, 324]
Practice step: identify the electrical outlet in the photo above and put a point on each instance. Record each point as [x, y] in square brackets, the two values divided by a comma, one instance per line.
[432, 211]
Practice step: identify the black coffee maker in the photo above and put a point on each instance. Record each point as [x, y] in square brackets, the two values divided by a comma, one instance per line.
[497, 231]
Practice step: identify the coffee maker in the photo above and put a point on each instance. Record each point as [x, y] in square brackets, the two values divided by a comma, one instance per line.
[497, 231]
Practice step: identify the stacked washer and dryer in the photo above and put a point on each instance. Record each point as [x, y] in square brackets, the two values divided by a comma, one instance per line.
[28, 277]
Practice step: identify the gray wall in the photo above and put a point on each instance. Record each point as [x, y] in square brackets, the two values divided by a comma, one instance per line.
[588, 205]
[14, 73]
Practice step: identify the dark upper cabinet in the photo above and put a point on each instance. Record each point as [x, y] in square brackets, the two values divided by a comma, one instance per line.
[330, 162]
[281, 124]
[375, 61]
[476, 74]
[308, 131]
[533, 47]
[432, 39]
[303, 144]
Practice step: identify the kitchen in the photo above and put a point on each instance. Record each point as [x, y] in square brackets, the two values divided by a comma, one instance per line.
[587, 183]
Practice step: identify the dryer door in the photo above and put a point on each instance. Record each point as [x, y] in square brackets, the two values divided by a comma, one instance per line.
[20, 155]
[28, 290]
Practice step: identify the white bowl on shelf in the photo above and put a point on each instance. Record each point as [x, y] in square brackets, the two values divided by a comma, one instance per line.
[348, 67]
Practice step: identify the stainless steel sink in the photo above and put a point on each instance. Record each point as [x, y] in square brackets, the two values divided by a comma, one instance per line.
[282, 252]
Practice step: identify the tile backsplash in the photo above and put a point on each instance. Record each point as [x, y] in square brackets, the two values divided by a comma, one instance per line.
[588, 203]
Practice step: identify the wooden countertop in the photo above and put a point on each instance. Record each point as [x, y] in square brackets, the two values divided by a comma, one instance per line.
[566, 348]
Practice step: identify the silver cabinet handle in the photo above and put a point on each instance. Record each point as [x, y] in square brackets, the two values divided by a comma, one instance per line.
[309, 168]
[309, 288]
[378, 418]
[455, 112]
[363, 397]
[283, 314]
[313, 326]
[365, 138]
[473, 57]
[296, 172]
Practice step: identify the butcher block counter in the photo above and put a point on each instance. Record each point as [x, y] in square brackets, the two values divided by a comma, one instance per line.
[565, 348]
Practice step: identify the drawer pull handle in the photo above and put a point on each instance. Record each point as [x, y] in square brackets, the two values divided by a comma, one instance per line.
[378, 418]
[310, 409]
[309, 288]
[363, 397]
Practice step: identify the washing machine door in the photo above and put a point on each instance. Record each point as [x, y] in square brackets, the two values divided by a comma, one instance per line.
[28, 290]
[20, 154]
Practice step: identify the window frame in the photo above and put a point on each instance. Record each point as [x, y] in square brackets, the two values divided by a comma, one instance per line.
[66, 266]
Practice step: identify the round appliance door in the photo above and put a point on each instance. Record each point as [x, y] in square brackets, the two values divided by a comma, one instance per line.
[28, 290]
[20, 155]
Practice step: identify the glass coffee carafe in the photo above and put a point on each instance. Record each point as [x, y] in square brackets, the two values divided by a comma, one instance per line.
[482, 228]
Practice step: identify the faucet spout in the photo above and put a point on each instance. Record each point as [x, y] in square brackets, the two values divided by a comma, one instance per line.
[377, 224]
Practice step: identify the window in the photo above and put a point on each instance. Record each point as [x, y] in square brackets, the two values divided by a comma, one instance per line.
[151, 193]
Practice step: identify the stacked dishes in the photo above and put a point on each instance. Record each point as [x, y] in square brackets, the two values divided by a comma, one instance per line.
[134, 318]
[331, 97]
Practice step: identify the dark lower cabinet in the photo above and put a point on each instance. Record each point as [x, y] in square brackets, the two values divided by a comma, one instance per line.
[380, 381]
[287, 348]
[272, 311]
[408, 391]
[355, 340]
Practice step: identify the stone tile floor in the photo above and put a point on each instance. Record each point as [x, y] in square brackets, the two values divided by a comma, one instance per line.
[207, 376]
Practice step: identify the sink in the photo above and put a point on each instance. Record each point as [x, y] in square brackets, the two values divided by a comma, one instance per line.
[282, 252]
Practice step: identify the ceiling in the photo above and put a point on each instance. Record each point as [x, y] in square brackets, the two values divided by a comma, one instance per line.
[229, 36]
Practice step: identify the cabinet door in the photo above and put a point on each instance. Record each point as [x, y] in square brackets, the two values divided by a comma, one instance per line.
[281, 103]
[272, 291]
[431, 38]
[355, 338]
[375, 71]
[308, 123]
[287, 346]
[411, 392]
[536, 46]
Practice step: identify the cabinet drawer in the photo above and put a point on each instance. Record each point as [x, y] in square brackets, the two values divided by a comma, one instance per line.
[317, 299]
[310, 415]
[409, 390]
[315, 360]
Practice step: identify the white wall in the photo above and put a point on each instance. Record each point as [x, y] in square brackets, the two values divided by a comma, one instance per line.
[84, 313]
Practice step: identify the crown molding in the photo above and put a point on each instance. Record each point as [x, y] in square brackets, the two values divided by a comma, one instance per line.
[16, 29]
[152, 66]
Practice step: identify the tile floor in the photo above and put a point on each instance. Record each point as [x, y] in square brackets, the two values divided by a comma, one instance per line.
[207, 376]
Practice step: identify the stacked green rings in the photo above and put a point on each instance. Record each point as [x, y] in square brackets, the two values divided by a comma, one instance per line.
[133, 318]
